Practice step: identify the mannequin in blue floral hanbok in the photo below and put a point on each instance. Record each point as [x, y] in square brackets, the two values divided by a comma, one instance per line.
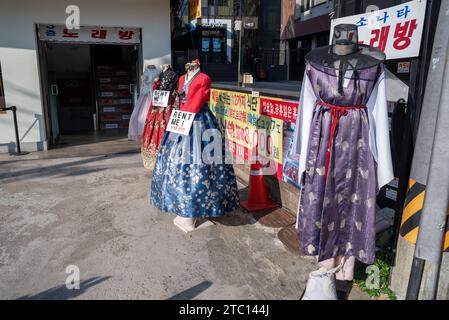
[186, 181]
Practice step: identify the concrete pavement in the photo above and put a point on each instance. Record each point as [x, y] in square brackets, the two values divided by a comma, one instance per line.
[88, 206]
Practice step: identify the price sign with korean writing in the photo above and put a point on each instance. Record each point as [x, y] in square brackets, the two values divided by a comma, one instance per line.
[180, 122]
[160, 98]
[60, 33]
[397, 31]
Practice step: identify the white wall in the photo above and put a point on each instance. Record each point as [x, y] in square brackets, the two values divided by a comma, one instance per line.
[18, 55]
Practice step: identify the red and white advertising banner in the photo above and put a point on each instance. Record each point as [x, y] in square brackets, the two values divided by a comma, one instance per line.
[60, 33]
[397, 31]
[279, 108]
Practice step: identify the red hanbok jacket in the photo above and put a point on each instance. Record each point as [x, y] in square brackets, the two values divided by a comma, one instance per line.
[198, 95]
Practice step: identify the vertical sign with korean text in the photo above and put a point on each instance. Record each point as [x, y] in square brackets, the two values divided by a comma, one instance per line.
[397, 31]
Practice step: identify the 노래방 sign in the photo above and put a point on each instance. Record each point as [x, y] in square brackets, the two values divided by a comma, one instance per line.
[397, 31]
[180, 122]
[60, 33]
[160, 98]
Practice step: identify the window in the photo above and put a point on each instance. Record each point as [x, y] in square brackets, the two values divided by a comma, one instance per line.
[2, 92]
[315, 3]
[305, 5]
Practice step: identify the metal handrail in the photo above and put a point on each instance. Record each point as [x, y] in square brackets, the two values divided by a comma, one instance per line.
[16, 128]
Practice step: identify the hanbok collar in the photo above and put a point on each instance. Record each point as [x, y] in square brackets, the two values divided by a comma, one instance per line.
[193, 76]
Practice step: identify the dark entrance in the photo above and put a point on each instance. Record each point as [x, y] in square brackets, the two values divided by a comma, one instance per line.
[89, 87]
[213, 46]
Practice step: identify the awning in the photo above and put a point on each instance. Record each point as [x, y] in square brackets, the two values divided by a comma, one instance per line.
[302, 28]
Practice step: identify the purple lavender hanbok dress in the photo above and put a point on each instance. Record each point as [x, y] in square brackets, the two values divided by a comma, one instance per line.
[337, 206]
[140, 111]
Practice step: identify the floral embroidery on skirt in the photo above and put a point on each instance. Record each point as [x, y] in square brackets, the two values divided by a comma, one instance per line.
[153, 134]
[190, 188]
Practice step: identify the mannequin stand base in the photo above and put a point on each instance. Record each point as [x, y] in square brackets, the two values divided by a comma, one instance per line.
[197, 225]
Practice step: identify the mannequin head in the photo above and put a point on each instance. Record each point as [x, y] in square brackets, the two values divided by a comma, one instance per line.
[345, 40]
[193, 66]
[165, 67]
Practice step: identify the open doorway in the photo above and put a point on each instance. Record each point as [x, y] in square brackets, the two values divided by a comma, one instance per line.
[90, 90]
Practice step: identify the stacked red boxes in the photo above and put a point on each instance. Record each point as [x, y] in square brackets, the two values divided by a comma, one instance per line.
[115, 97]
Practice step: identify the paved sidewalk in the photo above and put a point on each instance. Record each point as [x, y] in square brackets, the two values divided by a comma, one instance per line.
[68, 207]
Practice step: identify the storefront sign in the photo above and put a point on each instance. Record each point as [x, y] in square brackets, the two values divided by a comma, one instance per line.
[212, 24]
[246, 128]
[397, 31]
[59, 33]
[279, 109]
[160, 98]
[180, 122]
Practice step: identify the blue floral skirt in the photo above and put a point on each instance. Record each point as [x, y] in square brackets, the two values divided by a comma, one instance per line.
[191, 177]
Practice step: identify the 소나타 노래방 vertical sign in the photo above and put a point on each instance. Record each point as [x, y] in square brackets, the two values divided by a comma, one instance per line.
[397, 31]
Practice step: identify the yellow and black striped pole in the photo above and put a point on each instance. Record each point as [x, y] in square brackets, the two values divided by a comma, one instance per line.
[411, 215]
[425, 215]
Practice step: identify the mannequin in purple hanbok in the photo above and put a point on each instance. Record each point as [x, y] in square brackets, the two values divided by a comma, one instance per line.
[342, 138]
[140, 111]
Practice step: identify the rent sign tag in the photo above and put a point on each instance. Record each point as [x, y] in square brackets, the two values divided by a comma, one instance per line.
[397, 31]
[180, 122]
[160, 98]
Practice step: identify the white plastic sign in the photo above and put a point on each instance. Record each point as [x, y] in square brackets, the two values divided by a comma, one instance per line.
[180, 122]
[160, 98]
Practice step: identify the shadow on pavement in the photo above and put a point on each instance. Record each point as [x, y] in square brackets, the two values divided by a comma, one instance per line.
[191, 293]
[66, 168]
[62, 293]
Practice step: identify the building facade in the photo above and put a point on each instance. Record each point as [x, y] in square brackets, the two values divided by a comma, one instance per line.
[53, 76]
[305, 26]
[209, 30]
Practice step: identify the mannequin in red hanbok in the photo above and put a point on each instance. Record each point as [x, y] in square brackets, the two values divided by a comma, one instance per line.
[157, 118]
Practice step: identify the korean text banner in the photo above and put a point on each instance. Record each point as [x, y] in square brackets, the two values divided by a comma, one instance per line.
[397, 31]
[258, 122]
[246, 129]
[50, 32]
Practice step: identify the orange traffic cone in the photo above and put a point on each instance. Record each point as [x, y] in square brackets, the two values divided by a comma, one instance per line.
[258, 195]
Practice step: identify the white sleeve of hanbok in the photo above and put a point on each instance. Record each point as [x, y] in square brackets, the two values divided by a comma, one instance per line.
[307, 103]
[380, 132]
